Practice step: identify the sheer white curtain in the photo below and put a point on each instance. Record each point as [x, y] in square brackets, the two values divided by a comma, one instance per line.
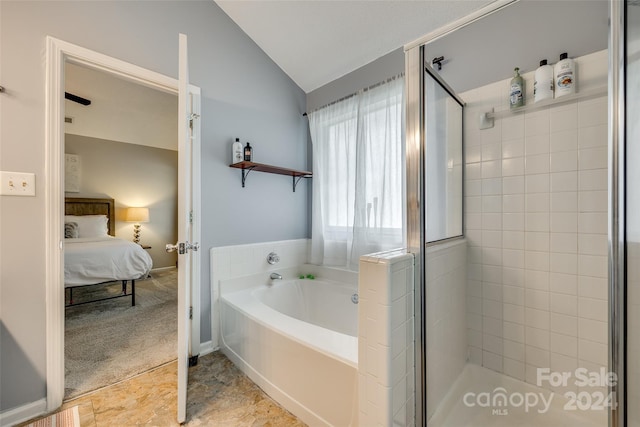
[358, 205]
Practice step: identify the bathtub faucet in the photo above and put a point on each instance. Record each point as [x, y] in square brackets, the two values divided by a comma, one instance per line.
[276, 276]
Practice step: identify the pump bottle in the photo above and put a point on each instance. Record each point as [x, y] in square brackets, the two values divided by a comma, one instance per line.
[516, 90]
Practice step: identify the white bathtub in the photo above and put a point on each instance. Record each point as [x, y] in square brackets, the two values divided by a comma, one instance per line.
[297, 339]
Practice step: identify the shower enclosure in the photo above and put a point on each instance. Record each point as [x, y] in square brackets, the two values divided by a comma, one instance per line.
[541, 210]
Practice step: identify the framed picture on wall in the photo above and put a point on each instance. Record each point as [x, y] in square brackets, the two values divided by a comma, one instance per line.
[71, 173]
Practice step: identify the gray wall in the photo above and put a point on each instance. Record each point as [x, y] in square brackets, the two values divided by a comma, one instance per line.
[134, 176]
[244, 94]
[374, 72]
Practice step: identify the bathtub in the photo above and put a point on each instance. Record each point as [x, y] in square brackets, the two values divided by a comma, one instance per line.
[297, 339]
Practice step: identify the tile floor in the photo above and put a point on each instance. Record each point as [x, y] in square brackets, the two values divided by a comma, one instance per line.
[219, 394]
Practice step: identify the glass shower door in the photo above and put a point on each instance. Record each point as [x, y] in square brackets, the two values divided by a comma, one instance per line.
[444, 284]
[434, 153]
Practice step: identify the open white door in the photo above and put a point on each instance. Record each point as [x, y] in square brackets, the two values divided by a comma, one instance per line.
[188, 108]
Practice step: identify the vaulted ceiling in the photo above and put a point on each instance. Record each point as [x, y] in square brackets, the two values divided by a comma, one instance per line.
[318, 41]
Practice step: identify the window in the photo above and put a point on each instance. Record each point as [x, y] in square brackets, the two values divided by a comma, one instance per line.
[358, 172]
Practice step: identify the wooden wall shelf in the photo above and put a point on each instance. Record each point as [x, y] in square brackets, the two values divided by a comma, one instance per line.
[247, 167]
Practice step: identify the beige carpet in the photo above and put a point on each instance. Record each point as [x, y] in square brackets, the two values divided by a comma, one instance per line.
[109, 341]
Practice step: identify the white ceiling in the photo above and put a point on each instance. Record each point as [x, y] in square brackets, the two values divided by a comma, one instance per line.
[120, 110]
[318, 41]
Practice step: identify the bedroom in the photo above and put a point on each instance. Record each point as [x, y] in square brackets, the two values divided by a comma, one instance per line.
[122, 146]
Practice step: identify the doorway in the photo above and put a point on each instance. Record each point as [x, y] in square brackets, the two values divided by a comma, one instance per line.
[122, 146]
[59, 53]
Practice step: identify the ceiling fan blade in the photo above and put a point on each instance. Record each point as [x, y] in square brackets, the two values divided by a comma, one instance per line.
[75, 98]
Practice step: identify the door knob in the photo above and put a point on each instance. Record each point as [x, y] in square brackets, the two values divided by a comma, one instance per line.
[182, 247]
[177, 247]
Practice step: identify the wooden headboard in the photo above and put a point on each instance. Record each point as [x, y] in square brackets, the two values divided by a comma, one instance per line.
[87, 206]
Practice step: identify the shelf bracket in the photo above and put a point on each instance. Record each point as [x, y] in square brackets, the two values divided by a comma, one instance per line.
[245, 174]
[296, 181]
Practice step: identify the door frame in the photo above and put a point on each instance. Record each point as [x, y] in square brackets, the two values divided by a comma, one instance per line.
[616, 215]
[58, 52]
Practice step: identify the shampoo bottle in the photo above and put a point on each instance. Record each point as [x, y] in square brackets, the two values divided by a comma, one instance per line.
[516, 90]
[236, 151]
[248, 151]
[543, 83]
[565, 76]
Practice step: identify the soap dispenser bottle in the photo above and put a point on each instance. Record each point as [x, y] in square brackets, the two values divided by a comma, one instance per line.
[543, 83]
[248, 151]
[236, 151]
[565, 76]
[516, 90]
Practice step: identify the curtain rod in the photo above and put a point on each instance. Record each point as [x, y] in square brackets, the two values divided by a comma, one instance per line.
[358, 92]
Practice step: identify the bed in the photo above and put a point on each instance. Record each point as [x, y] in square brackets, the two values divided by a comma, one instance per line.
[94, 256]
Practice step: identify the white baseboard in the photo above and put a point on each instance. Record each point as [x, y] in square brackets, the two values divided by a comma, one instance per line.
[35, 409]
[162, 269]
[23, 413]
[207, 347]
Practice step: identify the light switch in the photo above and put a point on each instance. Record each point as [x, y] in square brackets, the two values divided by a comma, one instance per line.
[17, 184]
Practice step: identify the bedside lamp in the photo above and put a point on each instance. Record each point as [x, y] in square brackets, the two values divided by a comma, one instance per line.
[137, 215]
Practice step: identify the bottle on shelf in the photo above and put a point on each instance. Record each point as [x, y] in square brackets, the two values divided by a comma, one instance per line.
[543, 84]
[565, 76]
[248, 153]
[236, 151]
[516, 90]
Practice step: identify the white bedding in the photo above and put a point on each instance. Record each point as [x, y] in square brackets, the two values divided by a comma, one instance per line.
[89, 260]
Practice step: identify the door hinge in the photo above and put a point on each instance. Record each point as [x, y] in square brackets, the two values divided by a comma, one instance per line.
[192, 117]
[190, 217]
[191, 312]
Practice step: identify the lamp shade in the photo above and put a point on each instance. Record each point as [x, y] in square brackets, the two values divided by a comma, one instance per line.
[137, 215]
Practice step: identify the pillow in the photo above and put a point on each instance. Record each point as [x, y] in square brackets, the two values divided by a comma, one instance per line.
[71, 230]
[90, 225]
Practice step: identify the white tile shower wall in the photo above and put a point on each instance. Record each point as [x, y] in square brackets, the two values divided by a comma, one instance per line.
[536, 224]
[445, 287]
[244, 260]
[386, 340]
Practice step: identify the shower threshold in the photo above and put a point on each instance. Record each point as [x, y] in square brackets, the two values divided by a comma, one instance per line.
[481, 397]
